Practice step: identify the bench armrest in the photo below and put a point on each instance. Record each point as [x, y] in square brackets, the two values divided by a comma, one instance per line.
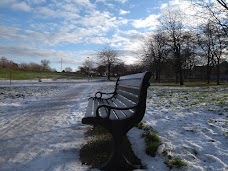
[101, 93]
[109, 108]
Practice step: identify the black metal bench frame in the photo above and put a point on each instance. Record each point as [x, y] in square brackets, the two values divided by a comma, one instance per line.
[124, 109]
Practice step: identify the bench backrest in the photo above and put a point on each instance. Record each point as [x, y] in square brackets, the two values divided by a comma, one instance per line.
[132, 90]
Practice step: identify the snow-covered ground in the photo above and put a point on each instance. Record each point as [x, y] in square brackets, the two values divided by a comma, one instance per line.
[40, 125]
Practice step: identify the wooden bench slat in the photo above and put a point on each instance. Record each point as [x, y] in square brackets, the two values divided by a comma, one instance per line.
[103, 111]
[116, 115]
[121, 114]
[128, 113]
[133, 76]
[130, 89]
[89, 109]
[133, 82]
[128, 96]
[114, 102]
[113, 115]
[123, 100]
[95, 105]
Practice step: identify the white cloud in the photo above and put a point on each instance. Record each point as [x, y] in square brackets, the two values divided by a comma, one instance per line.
[150, 22]
[191, 15]
[129, 41]
[64, 11]
[164, 5]
[7, 2]
[122, 1]
[9, 33]
[70, 8]
[51, 38]
[72, 22]
[100, 1]
[97, 40]
[23, 36]
[46, 11]
[71, 28]
[37, 1]
[99, 20]
[15, 4]
[123, 12]
[82, 2]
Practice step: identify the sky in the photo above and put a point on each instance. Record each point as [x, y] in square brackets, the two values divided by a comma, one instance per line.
[72, 31]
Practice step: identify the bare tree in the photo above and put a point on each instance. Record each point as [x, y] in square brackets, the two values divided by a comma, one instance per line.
[34, 66]
[108, 57]
[189, 52]
[119, 69]
[172, 23]
[223, 4]
[4, 62]
[82, 69]
[213, 45]
[101, 69]
[154, 53]
[45, 63]
[218, 12]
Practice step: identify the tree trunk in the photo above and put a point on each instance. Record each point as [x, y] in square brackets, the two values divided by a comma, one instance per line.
[208, 74]
[109, 70]
[181, 76]
[218, 72]
[179, 67]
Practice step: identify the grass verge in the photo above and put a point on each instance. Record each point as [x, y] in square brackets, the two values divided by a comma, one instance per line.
[18, 74]
[153, 141]
[151, 138]
[191, 84]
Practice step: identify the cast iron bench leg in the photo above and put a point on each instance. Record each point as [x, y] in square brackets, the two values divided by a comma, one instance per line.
[117, 158]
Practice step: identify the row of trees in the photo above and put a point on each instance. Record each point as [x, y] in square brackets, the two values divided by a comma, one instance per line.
[178, 48]
[32, 66]
[43, 66]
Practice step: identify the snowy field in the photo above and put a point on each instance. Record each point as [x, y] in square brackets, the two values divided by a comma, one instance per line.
[40, 125]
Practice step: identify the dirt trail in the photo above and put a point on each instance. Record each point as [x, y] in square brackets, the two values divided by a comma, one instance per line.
[43, 135]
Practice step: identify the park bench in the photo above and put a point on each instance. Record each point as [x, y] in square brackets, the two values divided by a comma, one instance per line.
[118, 113]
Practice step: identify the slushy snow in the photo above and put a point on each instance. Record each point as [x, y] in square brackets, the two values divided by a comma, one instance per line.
[41, 129]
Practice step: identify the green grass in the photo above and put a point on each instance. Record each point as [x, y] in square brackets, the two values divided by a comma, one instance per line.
[152, 142]
[151, 138]
[17, 74]
[190, 84]
[176, 162]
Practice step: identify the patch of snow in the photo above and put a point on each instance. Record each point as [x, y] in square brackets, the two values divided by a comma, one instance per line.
[41, 129]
